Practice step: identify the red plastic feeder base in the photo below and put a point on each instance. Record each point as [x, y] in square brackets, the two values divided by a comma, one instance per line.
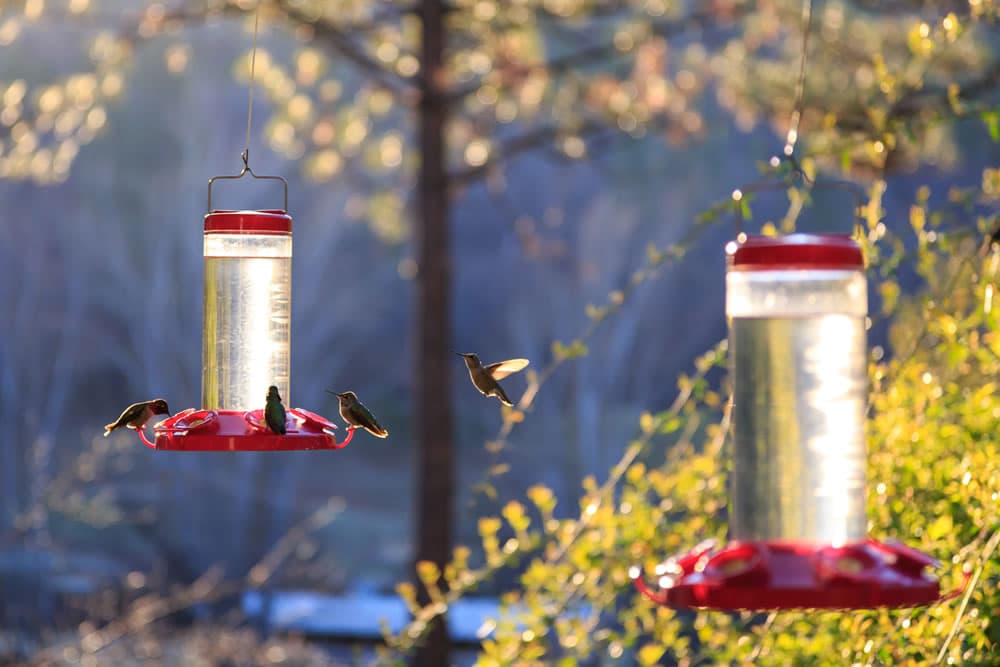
[776, 575]
[195, 430]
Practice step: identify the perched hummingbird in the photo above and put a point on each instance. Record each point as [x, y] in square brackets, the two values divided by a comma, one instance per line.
[136, 415]
[274, 411]
[357, 415]
[484, 378]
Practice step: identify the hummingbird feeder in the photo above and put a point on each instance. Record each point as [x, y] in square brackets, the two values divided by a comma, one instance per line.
[245, 339]
[796, 307]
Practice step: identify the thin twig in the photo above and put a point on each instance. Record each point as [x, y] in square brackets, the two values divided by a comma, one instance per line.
[984, 558]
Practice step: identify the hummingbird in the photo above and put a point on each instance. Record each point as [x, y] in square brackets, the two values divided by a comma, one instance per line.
[357, 415]
[136, 415]
[274, 411]
[484, 378]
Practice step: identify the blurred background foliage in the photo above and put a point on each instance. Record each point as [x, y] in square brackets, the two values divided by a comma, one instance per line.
[591, 147]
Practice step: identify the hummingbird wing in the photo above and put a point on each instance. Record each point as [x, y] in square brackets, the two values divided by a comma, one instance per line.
[369, 423]
[502, 369]
[129, 415]
[274, 417]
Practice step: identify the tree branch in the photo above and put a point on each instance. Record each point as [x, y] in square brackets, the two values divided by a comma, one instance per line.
[401, 86]
[522, 143]
[151, 23]
[594, 128]
[601, 52]
[919, 100]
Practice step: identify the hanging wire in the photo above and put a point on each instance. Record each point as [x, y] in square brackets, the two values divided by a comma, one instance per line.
[253, 63]
[800, 86]
[796, 172]
[246, 151]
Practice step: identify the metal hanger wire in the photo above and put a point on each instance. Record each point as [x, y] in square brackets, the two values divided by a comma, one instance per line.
[245, 156]
[795, 171]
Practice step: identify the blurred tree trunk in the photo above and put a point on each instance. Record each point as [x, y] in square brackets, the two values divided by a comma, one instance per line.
[432, 404]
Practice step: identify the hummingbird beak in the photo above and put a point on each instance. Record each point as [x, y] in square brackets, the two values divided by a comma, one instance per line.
[459, 353]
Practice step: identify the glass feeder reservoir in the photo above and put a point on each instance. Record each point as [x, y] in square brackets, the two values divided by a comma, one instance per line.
[248, 307]
[796, 308]
[246, 340]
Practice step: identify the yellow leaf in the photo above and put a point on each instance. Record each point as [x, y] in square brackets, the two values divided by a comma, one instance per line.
[646, 423]
[428, 572]
[514, 513]
[940, 527]
[650, 654]
[543, 497]
[489, 525]
[499, 469]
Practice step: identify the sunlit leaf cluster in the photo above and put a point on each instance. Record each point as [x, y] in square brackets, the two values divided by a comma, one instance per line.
[881, 78]
[43, 127]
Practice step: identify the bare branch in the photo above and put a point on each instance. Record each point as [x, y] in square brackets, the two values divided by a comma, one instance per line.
[920, 101]
[603, 52]
[153, 22]
[529, 140]
[938, 98]
[402, 86]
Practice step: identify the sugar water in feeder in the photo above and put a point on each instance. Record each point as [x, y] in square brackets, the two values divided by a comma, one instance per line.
[248, 304]
[796, 307]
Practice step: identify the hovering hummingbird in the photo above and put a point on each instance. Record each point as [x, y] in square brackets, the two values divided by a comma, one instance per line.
[274, 411]
[357, 415]
[136, 415]
[484, 378]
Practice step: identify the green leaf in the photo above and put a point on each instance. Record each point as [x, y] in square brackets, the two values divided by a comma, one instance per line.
[992, 120]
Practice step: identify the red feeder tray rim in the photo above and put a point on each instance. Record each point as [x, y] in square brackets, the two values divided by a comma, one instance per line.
[790, 575]
[241, 430]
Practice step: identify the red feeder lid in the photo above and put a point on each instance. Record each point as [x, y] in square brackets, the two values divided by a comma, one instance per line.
[248, 222]
[795, 251]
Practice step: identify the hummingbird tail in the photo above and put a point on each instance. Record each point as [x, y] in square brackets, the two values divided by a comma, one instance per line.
[108, 428]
